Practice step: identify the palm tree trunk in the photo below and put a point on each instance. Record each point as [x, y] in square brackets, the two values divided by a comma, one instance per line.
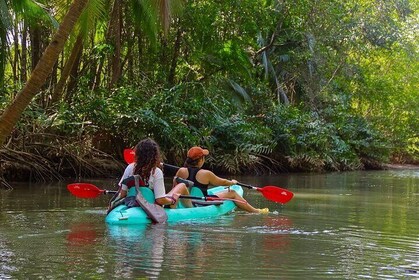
[11, 115]
[16, 56]
[77, 48]
[3, 52]
[115, 31]
[74, 75]
[24, 59]
[176, 50]
[35, 37]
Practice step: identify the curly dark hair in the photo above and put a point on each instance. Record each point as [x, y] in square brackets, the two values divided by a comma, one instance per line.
[147, 153]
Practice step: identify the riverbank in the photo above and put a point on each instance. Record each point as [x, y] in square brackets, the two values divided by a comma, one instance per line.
[394, 166]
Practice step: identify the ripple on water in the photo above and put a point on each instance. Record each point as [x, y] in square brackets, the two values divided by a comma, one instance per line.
[382, 253]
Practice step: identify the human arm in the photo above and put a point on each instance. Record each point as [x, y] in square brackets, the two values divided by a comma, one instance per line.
[214, 180]
[181, 173]
[156, 182]
[127, 173]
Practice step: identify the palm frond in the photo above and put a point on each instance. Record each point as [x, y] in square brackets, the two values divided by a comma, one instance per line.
[145, 16]
[33, 12]
[240, 91]
[95, 11]
[246, 158]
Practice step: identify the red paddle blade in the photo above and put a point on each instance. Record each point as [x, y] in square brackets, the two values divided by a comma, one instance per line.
[276, 194]
[129, 155]
[84, 190]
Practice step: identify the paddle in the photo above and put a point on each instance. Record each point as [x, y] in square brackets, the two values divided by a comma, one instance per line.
[210, 198]
[129, 155]
[272, 193]
[86, 190]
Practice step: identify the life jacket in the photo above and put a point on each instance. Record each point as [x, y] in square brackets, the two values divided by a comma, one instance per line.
[129, 200]
[130, 183]
[155, 212]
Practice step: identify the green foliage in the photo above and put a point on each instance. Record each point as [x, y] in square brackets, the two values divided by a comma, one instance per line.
[240, 143]
[265, 85]
[332, 139]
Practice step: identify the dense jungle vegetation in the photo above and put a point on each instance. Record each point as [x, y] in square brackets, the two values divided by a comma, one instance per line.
[267, 85]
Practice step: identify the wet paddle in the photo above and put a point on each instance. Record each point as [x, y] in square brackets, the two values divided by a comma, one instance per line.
[272, 193]
[86, 190]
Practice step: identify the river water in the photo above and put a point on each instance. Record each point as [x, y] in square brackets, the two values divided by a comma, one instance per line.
[351, 225]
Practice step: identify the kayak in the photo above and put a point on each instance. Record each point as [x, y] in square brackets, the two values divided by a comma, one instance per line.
[122, 215]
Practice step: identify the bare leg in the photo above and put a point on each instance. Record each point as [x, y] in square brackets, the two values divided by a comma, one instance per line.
[181, 189]
[244, 206]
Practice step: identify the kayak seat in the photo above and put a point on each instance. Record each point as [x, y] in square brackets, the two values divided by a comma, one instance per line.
[196, 192]
[197, 203]
[148, 194]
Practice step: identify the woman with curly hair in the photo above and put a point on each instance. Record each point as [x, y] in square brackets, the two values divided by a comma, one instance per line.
[147, 165]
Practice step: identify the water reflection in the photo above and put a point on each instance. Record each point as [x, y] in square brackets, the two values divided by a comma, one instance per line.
[142, 249]
[138, 248]
[81, 234]
[187, 248]
[6, 257]
[338, 226]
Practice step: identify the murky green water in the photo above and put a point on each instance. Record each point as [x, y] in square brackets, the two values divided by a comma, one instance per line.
[351, 225]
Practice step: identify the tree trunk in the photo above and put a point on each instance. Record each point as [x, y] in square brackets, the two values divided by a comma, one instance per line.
[74, 74]
[24, 59]
[77, 48]
[3, 53]
[115, 34]
[176, 49]
[41, 72]
[16, 56]
[35, 36]
[109, 37]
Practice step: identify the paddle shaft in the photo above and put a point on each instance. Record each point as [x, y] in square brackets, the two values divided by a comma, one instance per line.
[86, 190]
[211, 198]
[206, 198]
[109, 192]
[248, 186]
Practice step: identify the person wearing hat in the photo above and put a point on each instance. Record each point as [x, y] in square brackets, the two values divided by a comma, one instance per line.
[203, 178]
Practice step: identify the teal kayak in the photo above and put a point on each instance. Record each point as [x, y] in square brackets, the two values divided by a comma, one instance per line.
[122, 215]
